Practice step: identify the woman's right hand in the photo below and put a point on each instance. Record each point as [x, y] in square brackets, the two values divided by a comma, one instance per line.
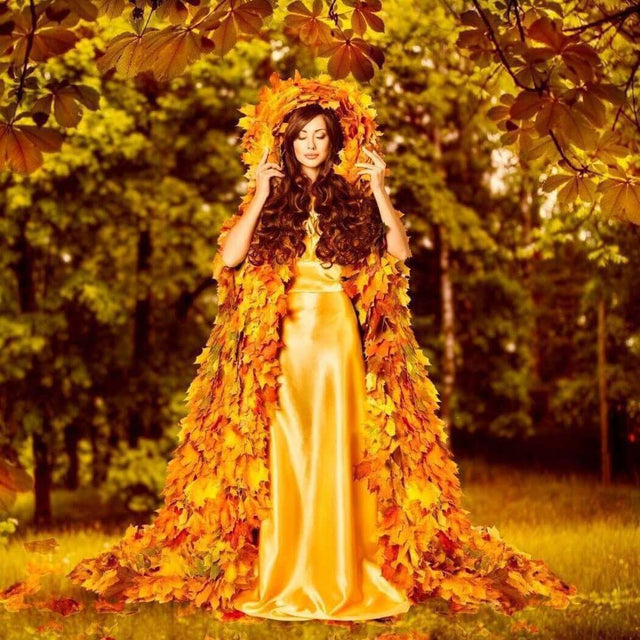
[264, 172]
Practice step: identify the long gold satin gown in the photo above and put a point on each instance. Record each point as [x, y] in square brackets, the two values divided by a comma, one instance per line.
[317, 547]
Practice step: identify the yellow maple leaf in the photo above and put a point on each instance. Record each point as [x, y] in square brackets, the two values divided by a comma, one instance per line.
[202, 489]
[427, 493]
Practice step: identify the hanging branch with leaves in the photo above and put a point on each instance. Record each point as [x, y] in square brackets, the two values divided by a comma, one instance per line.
[559, 112]
[569, 108]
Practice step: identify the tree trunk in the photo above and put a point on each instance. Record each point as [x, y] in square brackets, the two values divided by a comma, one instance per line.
[605, 462]
[526, 201]
[71, 438]
[24, 269]
[447, 311]
[529, 212]
[96, 460]
[140, 335]
[448, 329]
[42, 513]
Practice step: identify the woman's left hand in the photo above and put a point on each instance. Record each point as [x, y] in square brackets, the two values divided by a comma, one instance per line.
[375, 170]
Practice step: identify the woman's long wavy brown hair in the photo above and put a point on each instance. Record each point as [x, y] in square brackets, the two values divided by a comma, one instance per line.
[348, 219]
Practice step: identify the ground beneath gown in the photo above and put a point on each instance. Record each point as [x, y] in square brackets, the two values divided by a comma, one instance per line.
[317, 547]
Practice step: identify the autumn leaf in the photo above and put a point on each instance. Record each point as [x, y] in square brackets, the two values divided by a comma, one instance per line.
[13, 479]
[568, 124]
[475, 39]
[84, 9]
[308, 24]
[62, 606]
[203, 489]
[47, 42]
[225, 36]
[111, 8]
[67, 103]
[46, 545]
[175, 11]
[609, 148]
[571, 187]
[526, 105]
[51, 625]
[104, 606]
[21, 146]
[168, 52]
[349, 54]
[125, 53]
[249, 15]
[425, 492]
[621, 198]
[549, 32]
[581, 62]
[243, 17]
[607, 91]
[593, 108]
[364, 13]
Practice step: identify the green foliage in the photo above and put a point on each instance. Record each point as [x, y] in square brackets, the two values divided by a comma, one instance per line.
[495, 375]
[106, 295]
[136, 476]
[8, 527]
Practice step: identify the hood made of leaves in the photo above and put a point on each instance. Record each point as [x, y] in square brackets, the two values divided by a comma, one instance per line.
[264, 123]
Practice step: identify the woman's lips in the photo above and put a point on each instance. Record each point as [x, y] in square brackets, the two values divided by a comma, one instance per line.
[310, 155]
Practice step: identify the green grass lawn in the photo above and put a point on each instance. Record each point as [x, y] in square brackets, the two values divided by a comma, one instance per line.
[590, 536]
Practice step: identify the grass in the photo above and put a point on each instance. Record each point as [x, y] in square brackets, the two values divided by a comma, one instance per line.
[587, 534]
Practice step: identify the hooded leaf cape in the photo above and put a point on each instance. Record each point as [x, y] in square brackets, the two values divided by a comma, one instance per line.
[202, 546]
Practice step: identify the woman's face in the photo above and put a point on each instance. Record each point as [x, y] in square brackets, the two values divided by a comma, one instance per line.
[311, 146]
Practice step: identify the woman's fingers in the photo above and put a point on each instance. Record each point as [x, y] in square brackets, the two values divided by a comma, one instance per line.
[267, 170]
[377, 160]
[265, 155]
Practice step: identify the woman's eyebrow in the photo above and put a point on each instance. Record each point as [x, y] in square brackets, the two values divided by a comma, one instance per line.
[305, 131]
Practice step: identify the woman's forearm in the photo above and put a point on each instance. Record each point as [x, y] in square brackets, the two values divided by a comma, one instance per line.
[236, 243]
[397, 239]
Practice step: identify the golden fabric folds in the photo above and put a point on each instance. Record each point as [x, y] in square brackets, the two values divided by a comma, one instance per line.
[317, 547]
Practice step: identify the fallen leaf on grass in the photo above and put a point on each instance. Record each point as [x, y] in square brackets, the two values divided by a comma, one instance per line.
[104, 606]
[45, 545]
[52, 625]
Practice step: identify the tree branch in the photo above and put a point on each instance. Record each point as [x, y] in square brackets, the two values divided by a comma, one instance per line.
[620, 16]
[499, 51]
[30, 38]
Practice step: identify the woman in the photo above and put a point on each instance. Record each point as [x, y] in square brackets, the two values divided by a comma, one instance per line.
[291, 493]
[317, 549]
